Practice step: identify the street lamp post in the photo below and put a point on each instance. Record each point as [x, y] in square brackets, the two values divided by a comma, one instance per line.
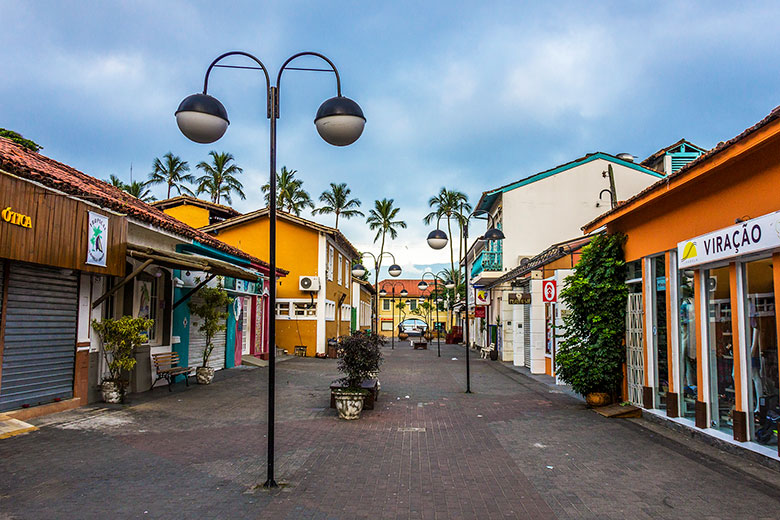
[448, 284]
[359, 271]
[437, 239]
[339, 121]
[383, 292]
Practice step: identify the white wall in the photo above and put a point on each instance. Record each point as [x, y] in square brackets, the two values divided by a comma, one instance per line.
[554, 209]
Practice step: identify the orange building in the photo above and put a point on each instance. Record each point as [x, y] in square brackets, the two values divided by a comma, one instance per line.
[195, 212]
[703, 254]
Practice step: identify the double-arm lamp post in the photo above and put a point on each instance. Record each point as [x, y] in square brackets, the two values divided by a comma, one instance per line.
[437, 239]
[339, 121]
[423, 285]
[383, 292]
[358, 270]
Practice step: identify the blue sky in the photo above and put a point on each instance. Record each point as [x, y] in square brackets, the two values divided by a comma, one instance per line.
[468, 95]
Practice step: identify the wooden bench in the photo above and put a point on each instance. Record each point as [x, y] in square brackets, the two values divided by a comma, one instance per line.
[484, 352]
[372, 385]
[166, 365]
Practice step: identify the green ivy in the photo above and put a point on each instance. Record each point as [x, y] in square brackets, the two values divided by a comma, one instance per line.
[18, 138]
[591, 353]
[213, 309]
[120, 339]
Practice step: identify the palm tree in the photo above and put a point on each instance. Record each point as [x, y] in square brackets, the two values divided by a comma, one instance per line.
[139, 190]
[337, 201]
[219, 178]
[381, 219]
[449, 203]
[173, 172]
[115, 181]
[290, 195]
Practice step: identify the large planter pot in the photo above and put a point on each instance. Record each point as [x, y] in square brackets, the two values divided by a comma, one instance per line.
[403, 336]
[204, 375]
[349, 403]
[494, 355]
[596, 399]
[111, 391]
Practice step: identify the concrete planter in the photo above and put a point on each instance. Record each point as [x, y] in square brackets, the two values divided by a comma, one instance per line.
[349, 403]
[204, 375]
[111, 392]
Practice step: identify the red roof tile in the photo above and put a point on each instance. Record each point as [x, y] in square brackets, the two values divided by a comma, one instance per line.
[33, 166]
[409, 285]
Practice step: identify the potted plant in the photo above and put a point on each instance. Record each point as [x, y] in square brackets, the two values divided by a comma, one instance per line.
[360, 357]
[120, 338]
[212, 309]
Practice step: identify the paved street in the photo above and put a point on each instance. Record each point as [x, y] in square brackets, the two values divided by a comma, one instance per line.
[514, 449]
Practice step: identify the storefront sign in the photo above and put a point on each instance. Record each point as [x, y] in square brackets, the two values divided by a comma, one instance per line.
[97, 239]
[15, 218]
[519, 298]
[549, 291]
[482, 297]
[758, 234]
[479, 312]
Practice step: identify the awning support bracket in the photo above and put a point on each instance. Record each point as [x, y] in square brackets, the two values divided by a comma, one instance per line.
[121, 284]
[193, 290]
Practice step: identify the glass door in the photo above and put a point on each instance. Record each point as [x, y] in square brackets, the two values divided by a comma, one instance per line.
[658, 266]
[688, 358]
[761, 350]
[721, 349]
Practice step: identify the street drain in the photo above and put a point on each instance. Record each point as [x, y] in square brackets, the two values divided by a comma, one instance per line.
[410, 429]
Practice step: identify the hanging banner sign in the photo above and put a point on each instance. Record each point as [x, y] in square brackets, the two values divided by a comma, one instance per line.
[751, 236]
[519, 298]
[97, 239]
[482, 297]
[549, 291]
[479, 312]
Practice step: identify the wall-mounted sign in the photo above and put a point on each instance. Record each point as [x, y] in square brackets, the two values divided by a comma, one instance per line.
[549, 291]
[97, 239]
[17, 219]
[479, 312]
[519, 298]
[754, 235]
[481, 297]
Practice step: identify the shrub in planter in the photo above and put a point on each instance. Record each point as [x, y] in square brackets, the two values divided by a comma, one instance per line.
[591, 354]
[213, 310]
[360, 357]
[120, 338]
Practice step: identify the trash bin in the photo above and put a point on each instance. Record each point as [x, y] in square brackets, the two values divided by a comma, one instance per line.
[333, 348]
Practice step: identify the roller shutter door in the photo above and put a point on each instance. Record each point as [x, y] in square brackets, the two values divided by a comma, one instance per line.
[526, 288]
[40, 336]
[198, 343]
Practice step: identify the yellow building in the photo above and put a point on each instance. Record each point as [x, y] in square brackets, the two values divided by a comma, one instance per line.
[195, 212]
[314, 302]
[391, 315]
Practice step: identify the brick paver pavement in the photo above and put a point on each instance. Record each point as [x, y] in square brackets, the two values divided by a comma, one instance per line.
[513, 449]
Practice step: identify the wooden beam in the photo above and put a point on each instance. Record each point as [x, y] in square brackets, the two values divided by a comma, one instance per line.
[193, 291]
[122, 283]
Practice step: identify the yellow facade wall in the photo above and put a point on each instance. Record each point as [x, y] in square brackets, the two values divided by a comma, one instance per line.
[194, 216]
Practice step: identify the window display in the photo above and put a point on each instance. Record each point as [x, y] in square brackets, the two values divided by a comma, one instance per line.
[761, 350]
[721, 348]
[659, 331]
[688, 358]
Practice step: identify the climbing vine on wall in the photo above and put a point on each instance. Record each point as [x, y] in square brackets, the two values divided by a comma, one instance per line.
[591, 352]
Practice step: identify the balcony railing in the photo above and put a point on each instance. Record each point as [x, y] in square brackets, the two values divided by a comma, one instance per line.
[487, 261]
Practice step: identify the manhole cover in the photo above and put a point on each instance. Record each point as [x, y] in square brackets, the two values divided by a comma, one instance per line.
[410, 429]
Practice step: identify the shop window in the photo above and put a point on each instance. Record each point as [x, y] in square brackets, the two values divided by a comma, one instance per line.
[634, 276]
[305, 310]
[147, 305]
[761, 350]
[283, 309]
[688, 353]
[387, 326]
[386, 305]
[658, 288]
[721, 348]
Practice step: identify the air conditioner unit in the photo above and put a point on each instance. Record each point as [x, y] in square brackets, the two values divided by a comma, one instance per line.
[309, 283]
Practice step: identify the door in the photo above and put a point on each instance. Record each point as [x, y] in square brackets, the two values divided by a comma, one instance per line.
[245, 326]
[634, 349]
[40, 336]
[198, 344]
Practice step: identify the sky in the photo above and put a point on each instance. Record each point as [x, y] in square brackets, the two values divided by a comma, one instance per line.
[467, 95]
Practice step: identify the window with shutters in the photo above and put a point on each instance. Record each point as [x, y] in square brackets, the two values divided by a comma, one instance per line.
[330, 264]
[386, 305]
[341, 263]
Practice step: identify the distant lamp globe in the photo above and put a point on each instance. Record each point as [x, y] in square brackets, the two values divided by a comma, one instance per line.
[382, 292]
[394, 270]
[404, 293]
[494, 234]
[202, 118]
[449, 284]
[422, 285]
[340, 121]
[358, 271]
[437, 239]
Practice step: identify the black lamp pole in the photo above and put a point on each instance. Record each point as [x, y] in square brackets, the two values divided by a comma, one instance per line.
[436, 292]
[203, 119]
[392, 284]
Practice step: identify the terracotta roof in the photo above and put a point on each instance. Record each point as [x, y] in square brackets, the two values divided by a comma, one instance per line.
[662, 151]
[409, 285]
[263, 212]
[183, 200]
[701, 160]
[33, 166]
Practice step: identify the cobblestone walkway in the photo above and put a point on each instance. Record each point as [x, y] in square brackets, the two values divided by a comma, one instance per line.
[515, 448]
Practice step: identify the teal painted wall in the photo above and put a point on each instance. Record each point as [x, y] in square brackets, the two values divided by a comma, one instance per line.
[230, 339]
[181, 324]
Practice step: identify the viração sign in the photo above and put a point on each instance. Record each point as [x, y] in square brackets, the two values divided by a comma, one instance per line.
[758, 234]
[12, 217]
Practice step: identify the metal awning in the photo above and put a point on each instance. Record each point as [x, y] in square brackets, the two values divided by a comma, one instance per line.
[191, 262]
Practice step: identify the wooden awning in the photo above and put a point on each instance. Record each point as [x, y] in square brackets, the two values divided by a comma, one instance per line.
[191, 262]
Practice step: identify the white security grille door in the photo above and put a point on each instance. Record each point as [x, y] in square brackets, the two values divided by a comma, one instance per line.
[245, 329]
[634, 351]
[198, 344]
